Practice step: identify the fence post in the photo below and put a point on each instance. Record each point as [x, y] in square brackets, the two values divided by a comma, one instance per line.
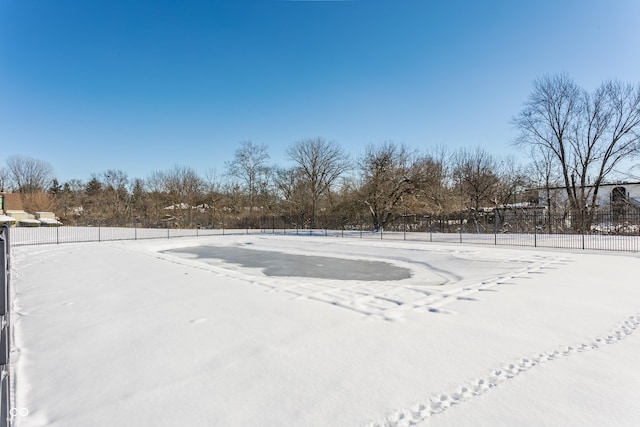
[5, 333]
[430, 228]
[495, 226]
[57, 235]
[404, 227]
[582, 225]
[535, 229]
[4, 302]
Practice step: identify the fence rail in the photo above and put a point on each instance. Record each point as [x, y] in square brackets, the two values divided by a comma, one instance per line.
[482, 229]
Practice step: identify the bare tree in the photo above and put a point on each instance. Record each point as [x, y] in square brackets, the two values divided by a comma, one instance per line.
[476, 174]
[290, 184]
[512, 180]
[544, 174]
[4, 179]
[40, 201]
[587, 134]
[29, 175]
[509, 192]
[156, 193]
[116, 194]
[438, 197]
[183, 189]
[249, 165]
[213, 195]
[391, 175]
[322, 162]
[72, 197]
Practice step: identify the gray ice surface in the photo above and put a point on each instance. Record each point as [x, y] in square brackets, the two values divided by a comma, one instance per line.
[287, 265]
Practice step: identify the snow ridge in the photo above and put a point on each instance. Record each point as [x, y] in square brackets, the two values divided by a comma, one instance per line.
[393, 301]
[420, 412]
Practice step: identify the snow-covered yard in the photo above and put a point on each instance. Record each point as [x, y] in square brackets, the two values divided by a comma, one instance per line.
[129, 333]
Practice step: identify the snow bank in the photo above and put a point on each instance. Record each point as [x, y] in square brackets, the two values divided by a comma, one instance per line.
[49, 222]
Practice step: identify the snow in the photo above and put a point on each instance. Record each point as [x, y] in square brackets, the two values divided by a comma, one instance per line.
[49, 221]
[122, 333]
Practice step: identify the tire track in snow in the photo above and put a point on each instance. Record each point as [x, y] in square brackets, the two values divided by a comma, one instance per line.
[421, 412]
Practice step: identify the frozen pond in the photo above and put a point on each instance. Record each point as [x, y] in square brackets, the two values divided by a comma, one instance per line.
[287, 265]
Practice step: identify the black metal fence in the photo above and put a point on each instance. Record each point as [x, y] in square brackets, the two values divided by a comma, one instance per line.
[519, 227]
[5, 329]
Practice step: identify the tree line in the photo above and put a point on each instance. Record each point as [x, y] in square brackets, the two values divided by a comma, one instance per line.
[574, 138]
[387, 180]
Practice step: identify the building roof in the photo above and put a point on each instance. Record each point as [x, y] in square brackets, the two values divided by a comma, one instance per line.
[608, 184]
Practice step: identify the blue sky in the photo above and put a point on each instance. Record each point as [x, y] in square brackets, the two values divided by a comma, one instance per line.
[144, 85]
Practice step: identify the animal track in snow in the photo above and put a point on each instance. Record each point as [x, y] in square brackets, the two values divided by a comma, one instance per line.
[436, 404]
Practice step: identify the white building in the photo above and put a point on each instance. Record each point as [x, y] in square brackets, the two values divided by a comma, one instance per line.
[614, 196]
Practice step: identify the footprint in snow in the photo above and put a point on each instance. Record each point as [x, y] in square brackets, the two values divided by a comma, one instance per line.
[420, 412]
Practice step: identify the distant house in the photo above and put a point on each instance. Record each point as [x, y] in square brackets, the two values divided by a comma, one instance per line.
[614, 195]
[12, 213]
[10, 202]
